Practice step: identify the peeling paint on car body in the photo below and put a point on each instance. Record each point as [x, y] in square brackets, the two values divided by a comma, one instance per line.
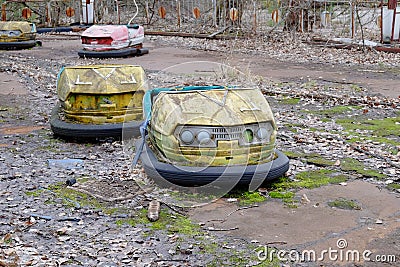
[112, 37]
[216, 111]
[102, 93]
[18, 35]
[14, 31]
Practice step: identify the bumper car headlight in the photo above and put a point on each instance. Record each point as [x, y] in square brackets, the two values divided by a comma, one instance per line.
[263, 133]
[186, 136]
[203, 137]
[248, 136]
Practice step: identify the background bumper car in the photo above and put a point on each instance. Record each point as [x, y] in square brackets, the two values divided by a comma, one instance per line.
[105, 41]
[18, 35]
[99, 101]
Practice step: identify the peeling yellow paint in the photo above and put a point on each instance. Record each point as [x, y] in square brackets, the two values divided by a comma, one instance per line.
[102, 93]
[211, 108]
[23, 26]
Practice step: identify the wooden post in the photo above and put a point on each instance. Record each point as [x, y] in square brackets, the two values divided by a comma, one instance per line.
[178, 9]
[86, 11]
[381, 24]
[94, 14]
[255, 18]
[3, 12]
[78, 11]
[215, 13]
[392, 5]
[48, 14]
[352, 19]
[147, 12]
[118, 12]
[301, 20]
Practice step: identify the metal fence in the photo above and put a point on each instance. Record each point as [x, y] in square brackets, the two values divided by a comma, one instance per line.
[329, 18]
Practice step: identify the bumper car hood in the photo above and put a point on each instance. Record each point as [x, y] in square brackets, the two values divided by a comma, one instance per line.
[116, 32]
[225, 107]
[99, 79]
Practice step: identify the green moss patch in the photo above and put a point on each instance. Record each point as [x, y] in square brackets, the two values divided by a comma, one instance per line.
[357, 137]
[246, 198]
[290, 101]
[356, 88]
[293, 127]
[342, 203]
[337, 110]
[312, 158]
[74, 199]
[325, 120]
[284, 187]
[394, 151]
[34, 193]
[319, 161]
[293, 154]
[349, 164]
[286, 196]
[317, 178]
[281, 195]
[173, 223]
[384, 130]
[394, 186]
[310, 179]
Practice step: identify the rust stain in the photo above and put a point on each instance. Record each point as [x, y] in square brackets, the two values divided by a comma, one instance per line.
[70, 12]
[19, 129]
[233, 14]
[162, 12]
[196, 12]
[26, 13]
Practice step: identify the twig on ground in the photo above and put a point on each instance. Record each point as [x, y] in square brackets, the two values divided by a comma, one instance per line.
[240, 208]
[222, 229]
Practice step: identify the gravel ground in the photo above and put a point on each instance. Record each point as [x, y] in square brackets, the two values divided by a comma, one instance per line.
[40, 227]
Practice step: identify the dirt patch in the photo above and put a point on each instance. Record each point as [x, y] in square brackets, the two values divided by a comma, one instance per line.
[109, 190]
[313, 225]
[10, 84]
[376, 81]
[9, 130]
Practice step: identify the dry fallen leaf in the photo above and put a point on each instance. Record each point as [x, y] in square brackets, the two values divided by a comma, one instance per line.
[7, 237]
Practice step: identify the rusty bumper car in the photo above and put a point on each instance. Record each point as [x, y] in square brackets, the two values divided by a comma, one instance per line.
[99, 101]
[17, 35]
[197, 135]
[105, 41]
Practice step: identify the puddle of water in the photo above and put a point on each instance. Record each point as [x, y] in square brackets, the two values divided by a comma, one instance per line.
[66, 163]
